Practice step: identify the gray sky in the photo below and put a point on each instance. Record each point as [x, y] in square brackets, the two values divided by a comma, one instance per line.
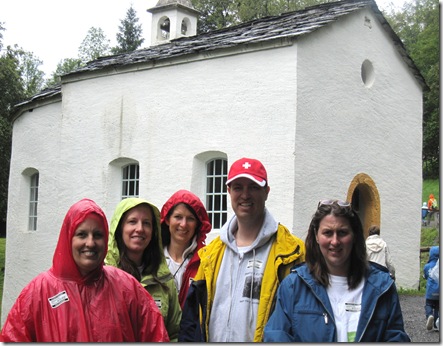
[54, 29]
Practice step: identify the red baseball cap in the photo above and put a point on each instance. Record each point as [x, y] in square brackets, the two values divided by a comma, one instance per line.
[248, 168]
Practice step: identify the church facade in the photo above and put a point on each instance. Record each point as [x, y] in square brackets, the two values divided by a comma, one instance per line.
[326, 98]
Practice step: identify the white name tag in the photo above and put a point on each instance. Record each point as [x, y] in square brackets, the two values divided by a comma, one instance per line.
[58, 299]
[353, 307]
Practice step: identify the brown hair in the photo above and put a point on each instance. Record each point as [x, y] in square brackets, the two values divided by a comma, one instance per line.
[314, 258]
[374, 229]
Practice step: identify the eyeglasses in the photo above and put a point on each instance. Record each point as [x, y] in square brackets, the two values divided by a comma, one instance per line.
[340, 203]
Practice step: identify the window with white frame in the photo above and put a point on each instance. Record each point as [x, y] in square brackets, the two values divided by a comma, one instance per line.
[33, 202]
[130, 181]
[216, 192]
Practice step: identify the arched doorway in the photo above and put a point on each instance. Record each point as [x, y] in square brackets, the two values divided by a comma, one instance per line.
[365, 200]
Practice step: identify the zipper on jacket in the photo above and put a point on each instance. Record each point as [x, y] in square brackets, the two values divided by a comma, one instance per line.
[373, 310]
[325, 315]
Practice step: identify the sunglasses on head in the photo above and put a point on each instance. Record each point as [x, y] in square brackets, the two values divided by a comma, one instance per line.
[340, 203]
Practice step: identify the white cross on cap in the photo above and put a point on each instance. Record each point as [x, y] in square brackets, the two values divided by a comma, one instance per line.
[246, 165]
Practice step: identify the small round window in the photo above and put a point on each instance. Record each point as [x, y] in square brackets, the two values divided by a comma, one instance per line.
[367, 73]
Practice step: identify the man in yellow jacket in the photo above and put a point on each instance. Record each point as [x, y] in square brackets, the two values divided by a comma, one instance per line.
[241, 269]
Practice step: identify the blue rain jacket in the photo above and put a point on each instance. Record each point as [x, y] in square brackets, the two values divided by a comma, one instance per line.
[303, 312]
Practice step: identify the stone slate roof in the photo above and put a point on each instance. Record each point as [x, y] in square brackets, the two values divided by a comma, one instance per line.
[286, 26]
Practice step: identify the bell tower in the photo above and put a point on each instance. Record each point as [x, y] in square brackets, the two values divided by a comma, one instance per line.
[172, 19]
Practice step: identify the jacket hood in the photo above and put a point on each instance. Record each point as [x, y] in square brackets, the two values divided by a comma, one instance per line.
[113, 256]
[185, 196]
[63, 264]
[268, 229]
[434, 253]
[374, 243]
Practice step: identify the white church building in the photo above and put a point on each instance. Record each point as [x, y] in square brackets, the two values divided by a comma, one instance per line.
[327, 98]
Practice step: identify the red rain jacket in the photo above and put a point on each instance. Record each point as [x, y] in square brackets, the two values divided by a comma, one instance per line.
[60, 305]
[184, 196]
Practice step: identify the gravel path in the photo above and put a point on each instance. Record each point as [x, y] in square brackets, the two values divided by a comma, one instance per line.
[413, 308]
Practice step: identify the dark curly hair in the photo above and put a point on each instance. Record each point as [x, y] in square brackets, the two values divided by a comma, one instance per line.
[314, 259]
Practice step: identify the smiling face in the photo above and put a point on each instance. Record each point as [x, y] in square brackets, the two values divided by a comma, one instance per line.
[182, 225]
[88, 245]
[335, 239]
[248, 199]
[137, 228]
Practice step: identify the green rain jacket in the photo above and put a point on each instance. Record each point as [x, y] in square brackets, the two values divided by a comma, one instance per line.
[166, 299]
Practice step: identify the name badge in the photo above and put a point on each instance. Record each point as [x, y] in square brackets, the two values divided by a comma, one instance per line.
[58, 299]
[353, 307]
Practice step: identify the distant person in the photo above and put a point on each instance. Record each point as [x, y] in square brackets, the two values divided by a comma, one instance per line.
[432, 307]
[135, 246]
[377, 250]
[432, 203]
[337, 295]
[433, 210]
[233, 292]
[185, 224]
[424, 213]
[79, 299]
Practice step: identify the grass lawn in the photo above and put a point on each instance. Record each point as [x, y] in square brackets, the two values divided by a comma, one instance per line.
[430, 186]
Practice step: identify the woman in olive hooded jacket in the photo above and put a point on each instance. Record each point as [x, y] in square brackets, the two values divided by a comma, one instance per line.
[152, 270]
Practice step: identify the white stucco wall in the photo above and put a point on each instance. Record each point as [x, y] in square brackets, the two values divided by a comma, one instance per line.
[345, 128]
[242, 105]
[35, 148]
[302, 110]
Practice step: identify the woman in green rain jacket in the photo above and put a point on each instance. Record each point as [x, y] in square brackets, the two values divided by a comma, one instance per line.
[135, 246]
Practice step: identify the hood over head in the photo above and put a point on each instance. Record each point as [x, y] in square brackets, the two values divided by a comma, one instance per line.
[113, 255]
[434, 253]
[63, 264]
[192, 200]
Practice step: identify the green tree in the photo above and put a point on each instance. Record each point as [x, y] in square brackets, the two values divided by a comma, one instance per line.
[64, 66]
[417, 24]
[219, 14]
[32, 77]
[215, 14]
[129, 35]
[11, 92]
[94, 45]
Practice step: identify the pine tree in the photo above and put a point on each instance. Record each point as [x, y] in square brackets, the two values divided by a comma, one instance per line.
[129, 35]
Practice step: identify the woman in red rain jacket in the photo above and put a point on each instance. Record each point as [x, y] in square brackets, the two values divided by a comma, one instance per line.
[185, 224]
[79, 299]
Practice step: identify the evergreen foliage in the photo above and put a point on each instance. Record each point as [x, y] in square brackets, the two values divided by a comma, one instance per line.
[129, 37]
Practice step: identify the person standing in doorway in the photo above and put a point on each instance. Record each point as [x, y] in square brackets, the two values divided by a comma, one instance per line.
[241, 269]
[377, 250]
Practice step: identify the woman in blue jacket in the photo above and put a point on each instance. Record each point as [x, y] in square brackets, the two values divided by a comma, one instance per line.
[336, 295]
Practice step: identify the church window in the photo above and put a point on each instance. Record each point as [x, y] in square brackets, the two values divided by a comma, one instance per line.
[184, 28]
[33, 202]
[216, 192]
[130, 181]
[165, 28]
[367, 73]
